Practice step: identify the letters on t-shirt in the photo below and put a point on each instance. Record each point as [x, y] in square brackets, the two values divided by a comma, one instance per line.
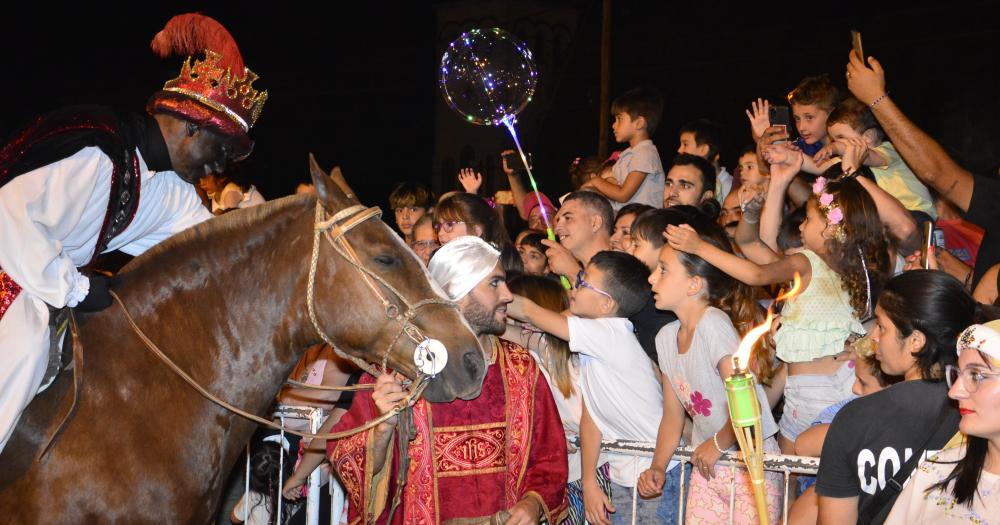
[875, 471]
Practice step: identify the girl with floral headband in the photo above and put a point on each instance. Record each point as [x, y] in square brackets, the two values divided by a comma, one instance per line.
[844, 263]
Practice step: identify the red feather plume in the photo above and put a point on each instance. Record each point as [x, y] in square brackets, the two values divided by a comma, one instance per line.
[193, 33]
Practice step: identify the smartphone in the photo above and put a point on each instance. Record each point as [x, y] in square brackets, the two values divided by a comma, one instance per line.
[780, 116]
[514, 161]
[856, 45]
[938, 238]
[925, 246]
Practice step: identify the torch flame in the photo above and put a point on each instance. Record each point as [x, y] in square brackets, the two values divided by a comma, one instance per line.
[793, 291]
[742, 355]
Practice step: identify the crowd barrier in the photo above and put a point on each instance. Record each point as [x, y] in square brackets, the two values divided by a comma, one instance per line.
[787, 465]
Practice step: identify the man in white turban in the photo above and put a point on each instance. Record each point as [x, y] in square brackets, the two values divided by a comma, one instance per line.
[507, 443]
[469, 271]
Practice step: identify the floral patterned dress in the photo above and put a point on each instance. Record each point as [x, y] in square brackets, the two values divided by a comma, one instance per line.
[695, 379]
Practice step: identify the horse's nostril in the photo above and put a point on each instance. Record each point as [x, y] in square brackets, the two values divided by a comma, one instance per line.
[473, 362]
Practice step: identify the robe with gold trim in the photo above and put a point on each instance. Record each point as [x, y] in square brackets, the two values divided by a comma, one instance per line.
[469, 458]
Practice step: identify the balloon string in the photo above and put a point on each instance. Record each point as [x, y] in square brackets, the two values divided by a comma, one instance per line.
[509, 122]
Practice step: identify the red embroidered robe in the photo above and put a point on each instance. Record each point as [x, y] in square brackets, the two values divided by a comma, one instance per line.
[469, 458]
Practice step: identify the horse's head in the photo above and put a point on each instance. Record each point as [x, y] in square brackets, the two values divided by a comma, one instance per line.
[393, 303]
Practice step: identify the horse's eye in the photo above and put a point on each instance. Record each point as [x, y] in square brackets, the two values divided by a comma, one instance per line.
[385, 260]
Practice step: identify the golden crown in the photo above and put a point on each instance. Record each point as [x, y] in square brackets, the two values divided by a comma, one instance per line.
[215, 86]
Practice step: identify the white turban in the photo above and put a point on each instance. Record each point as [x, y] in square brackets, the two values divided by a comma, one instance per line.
[461, 264]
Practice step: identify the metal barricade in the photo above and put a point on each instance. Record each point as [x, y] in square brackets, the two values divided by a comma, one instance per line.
[787, 465]
[315, 416]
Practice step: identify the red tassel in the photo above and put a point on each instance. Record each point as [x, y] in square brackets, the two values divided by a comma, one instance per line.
[193, 33]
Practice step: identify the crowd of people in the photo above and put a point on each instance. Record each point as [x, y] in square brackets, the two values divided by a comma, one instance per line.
[884, 362]
[670, 264]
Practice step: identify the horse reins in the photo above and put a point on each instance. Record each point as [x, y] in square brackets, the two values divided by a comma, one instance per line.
[414, 393]
[351, 217]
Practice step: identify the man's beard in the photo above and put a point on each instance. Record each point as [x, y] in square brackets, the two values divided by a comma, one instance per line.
[483, 321]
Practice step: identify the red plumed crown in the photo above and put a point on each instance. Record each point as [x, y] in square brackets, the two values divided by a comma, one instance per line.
[215, 91]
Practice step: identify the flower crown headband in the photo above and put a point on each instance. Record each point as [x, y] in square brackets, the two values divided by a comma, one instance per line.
[831, 210]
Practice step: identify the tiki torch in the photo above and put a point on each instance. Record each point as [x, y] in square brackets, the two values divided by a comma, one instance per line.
[744, 408]
[744, 411]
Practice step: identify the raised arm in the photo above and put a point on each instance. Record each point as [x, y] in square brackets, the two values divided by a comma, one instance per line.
[894, 216]
[921, 153]
[685, 239]
[891, 212]
[748, 229]
[759, 118]
[524, 309]
[785, 165]
[470, 179]
[516, 186]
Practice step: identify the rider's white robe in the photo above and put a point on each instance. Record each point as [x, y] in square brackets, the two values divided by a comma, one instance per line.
[50, 219]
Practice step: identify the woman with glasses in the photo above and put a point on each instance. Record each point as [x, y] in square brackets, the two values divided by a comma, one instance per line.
[961, 484]
[461, 214]
[919, 316]
[425, 241]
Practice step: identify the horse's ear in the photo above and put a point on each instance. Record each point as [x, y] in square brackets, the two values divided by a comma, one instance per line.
[338, 178]
[327, 192]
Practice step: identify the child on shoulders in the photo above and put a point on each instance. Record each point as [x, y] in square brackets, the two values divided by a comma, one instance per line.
[853, 119]
[638, 172]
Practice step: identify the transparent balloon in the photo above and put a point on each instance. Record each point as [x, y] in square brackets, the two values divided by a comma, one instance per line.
[487, 75]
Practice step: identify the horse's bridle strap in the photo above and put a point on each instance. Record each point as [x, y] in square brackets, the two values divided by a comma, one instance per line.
[335, 236]
[354, 215]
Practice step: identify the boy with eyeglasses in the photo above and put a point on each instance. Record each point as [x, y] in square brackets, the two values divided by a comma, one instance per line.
[621, 396]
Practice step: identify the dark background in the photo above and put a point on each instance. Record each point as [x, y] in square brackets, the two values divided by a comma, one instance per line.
[356, 84]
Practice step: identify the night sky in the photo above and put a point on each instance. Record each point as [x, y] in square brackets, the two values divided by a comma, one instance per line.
[358, 87]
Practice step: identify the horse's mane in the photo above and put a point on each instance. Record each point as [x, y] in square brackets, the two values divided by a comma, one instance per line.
[203, 234]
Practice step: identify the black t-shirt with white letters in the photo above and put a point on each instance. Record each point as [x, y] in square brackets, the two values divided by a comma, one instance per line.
[873, 436]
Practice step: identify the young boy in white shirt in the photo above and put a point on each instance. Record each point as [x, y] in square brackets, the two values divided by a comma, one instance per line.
[637, 175]
[622, 399]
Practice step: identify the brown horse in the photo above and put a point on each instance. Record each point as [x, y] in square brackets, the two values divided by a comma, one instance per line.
[226, 300]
